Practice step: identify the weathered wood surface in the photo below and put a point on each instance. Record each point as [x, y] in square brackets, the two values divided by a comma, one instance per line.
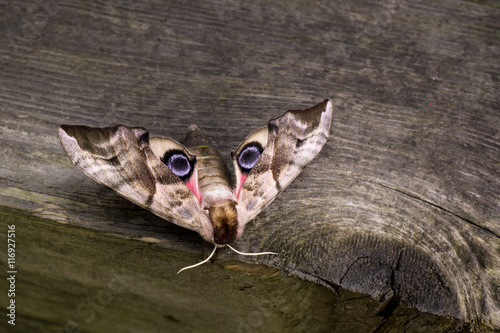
[72, 279]
[402, 203]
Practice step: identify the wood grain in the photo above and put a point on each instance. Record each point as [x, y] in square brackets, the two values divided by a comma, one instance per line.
[73, 279]
[403, 201]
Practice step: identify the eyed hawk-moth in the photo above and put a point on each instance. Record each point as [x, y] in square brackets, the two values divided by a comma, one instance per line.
[189, 184]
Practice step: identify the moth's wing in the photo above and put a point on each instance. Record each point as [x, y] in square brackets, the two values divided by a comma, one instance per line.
[123, 159]
[290, 142]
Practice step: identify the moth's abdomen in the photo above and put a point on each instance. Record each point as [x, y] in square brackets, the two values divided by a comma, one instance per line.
[214, 182]
[212, 171]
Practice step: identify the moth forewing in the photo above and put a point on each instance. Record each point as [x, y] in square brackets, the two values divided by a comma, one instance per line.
[294, 139]
[121, 158]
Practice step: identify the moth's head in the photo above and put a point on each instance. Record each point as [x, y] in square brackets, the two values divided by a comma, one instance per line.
[224, 220]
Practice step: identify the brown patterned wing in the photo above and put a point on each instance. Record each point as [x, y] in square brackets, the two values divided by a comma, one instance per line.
[292, 141]
[122, 159]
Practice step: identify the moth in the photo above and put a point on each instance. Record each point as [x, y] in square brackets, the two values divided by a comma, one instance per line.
[189, 184]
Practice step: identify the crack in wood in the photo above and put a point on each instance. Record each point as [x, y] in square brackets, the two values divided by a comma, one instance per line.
[430, 203]
[349, 268]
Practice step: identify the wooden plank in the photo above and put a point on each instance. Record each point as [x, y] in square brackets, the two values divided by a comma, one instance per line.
[71, 279]
[402, 203]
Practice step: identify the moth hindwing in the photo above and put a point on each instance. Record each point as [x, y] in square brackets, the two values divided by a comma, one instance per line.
[189, 184]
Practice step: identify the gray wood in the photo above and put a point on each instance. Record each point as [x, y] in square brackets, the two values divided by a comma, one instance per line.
[402, 203]
[72, 279]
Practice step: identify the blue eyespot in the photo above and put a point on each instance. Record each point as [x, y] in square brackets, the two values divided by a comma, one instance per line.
[249, 156]
[178, 163]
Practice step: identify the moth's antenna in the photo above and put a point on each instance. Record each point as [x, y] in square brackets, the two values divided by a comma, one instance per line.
[232, 248]
[249, 254]
[201, 262]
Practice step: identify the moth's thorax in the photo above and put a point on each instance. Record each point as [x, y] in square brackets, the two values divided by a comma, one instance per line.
[224, 220]
[221, 208]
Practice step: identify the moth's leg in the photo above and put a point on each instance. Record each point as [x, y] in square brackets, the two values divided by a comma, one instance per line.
[214, 257]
